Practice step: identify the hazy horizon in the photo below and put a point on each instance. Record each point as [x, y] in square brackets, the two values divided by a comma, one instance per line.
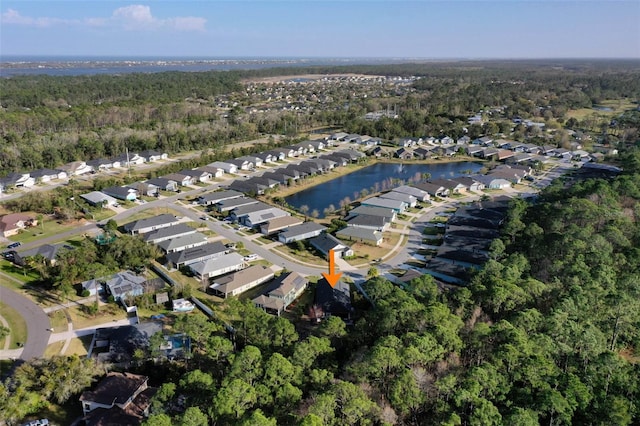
[420, 30]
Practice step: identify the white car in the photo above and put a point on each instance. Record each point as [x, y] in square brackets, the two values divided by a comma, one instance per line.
[250, 257]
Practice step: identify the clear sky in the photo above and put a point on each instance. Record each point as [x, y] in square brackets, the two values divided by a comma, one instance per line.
[308, 28]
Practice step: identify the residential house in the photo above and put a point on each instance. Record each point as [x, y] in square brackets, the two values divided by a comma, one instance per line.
[48, 252]
[255, 160]
[279, 223]
[317, 145]
[217, 197]
[447, 141]
[197, 175]
[325, 242]
[183, 180]
[151, 155]
[119, 398]
[226, 166]
[121, 193]
[125, 284]
[241, 281]
[215, 172]
[464, 140]
[375, 223]
[337, 137]
[249, 187]
[143, 226]
[129, 159]
[18, 180]
[288, 152]
[76, 168]
[281, 292]
[361, 235]
[490, 153]
[301, 232]
[217, 266]
[196, 254]
[93, 286]
[350, 154]
[298, 150]
[242, 164]
[504, 154]
[47, 175]
[378, 152]
[491, 182]
[470, 184]
[257, 218]
[182, 243]
[388, 213]
[419, 194]
[332, 300]
[275, 155]
[475, 150]
[353, 138]
[233, 203]
[101, 164]
[13, 223]
[484, 141]
[97, 198]
[453, 186]
[433, 190]
[399, 196]
[144, 188]
[396, 205]
[265, 157]
[423, 153]
[168, 233]
[406, 142]
[163, 184]
[340, 161]
[403, 154]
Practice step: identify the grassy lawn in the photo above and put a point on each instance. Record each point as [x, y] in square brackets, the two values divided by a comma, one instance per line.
[17, 325]
[79, 345]
[103, 214]
[108, 313]
[24, 276]
[617, 106]
[51, 228]
[365, 253]
[58, 320]
[263, 240]
[303, 256]
[54, 349]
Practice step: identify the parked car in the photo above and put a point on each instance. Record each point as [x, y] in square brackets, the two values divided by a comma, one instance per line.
[14, 245]
[250, 257]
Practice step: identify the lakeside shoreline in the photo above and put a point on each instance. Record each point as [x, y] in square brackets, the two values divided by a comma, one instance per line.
[287, 191]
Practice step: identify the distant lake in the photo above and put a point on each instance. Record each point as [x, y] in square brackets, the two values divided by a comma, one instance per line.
[319, 197]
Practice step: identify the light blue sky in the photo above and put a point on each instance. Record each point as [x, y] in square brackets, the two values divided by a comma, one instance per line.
[307, 28]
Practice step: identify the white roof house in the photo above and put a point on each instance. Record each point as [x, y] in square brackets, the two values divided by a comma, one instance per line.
[218, 265]
[398, 196]
[97, 198]
[241, 281]
[396, 205]
[412, 190]
[301, 232]
[362, 235]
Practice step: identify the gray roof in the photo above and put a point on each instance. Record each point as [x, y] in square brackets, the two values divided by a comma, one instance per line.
[360, 233]
[261, 216]
[367, 220]
[385, 202]
[168, 232]
[195, 253]
[162, 219]
[325, 242]
[302, 229]
[97, 197]
[411, 190]
[252, 208]
[216, 197]
[399, 196]
[185, 240]
[228, 283]
[208, 266]
[233, 203]
[373, 211]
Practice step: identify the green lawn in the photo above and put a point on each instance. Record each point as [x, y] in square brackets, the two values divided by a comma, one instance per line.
[17, 325]
[51, 228]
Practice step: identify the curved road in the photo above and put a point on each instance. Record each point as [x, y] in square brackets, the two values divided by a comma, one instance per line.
[37, 322]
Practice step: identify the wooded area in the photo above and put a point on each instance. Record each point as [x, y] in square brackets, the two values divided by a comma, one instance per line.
[48, 121]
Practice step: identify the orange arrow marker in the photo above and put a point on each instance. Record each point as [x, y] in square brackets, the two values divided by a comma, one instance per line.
[332, 277]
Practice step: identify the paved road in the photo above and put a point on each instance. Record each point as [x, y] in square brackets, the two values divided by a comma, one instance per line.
[37, 322]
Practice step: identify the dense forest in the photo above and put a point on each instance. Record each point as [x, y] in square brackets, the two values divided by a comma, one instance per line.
[547, 333]
[47, 121]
